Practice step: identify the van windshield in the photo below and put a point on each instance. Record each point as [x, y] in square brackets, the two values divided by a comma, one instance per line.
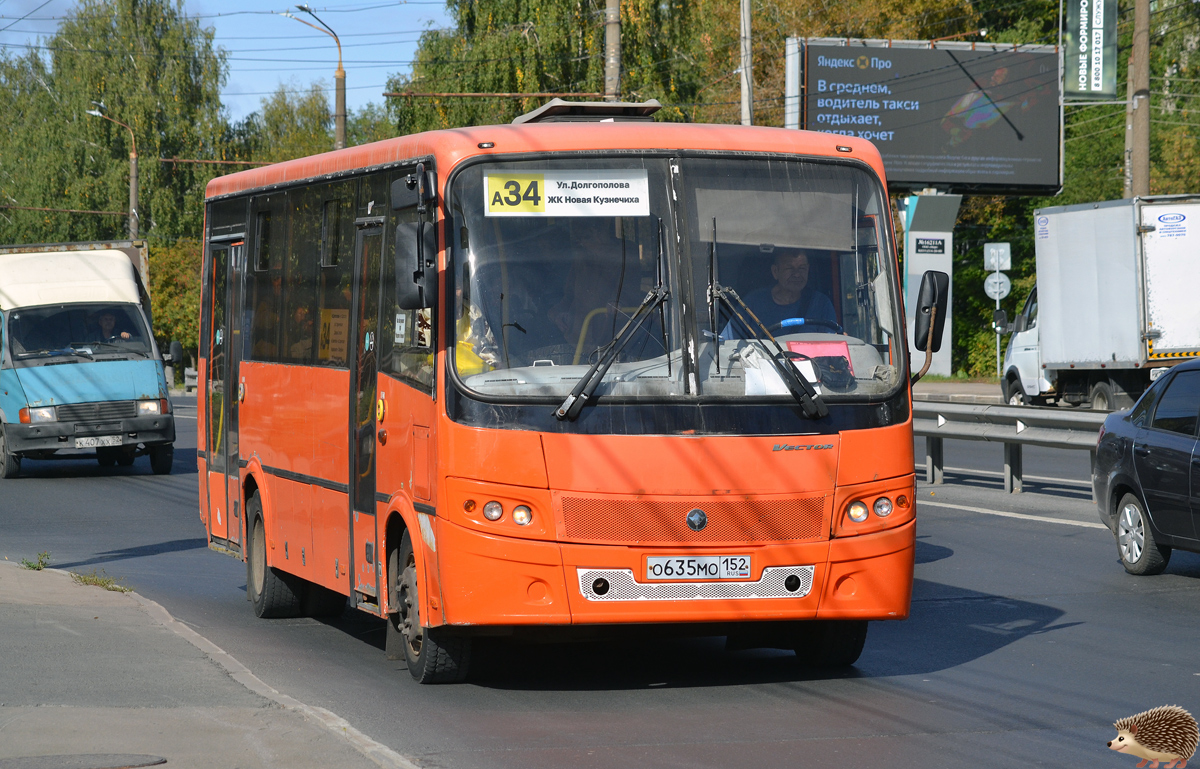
[553, 257]
[79, 330]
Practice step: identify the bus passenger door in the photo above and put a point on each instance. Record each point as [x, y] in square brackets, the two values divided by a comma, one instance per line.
[221, 391]
[364, 335]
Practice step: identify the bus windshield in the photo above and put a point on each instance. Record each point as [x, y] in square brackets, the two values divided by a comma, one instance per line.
[83, 330]
[552, 258]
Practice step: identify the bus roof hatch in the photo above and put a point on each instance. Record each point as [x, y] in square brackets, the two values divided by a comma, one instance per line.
[559, 111]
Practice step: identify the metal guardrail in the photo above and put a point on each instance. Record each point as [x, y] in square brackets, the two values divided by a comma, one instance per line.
[1014, 426]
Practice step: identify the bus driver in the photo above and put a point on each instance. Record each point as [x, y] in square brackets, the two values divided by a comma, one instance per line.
[791, 296]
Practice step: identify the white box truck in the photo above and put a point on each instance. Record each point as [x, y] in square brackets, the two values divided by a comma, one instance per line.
[1114, 305]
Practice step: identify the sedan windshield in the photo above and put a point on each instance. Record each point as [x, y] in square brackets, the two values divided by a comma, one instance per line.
[750, 262]
[80, 330]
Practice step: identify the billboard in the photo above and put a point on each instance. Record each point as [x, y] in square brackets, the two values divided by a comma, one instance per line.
[1090, 41]
[962, 117]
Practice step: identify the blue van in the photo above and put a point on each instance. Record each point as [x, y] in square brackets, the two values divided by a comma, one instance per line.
[79, 368]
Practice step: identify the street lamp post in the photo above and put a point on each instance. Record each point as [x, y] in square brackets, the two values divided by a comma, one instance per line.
[133, 172]
[339, 77]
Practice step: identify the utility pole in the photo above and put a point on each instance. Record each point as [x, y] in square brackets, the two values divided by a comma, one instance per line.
[747, 68]
[339, 77]
[1141, 98]
[1128, 192]
[612, 50]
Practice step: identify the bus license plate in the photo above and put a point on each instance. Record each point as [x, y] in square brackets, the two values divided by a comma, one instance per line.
[701, 567]
[97, 440]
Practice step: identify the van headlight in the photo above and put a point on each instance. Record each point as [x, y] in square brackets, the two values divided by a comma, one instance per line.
[40, 414]
[149, 408]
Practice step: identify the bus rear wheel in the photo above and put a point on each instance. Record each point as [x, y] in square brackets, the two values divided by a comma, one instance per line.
[273, 593]
[831, 643]
[433, 654]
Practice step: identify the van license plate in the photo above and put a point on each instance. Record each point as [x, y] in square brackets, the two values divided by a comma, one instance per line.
[701, 567]
[97, 440]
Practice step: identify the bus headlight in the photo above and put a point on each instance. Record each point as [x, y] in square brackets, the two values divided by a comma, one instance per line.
[522, 515]
[858, 511]
[149, 408]
[493, 510]
[883, 507]
[39, 414]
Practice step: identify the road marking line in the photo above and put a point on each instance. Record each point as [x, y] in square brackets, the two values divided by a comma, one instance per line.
[921, 469]
[1004, 514]
[376, 751]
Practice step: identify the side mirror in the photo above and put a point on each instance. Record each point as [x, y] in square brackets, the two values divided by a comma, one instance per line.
[176, 352]
[416, 240]
[931, 311]
[1000, 321]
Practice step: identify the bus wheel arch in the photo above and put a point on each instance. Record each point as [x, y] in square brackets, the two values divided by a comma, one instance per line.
[273, 593]
[433, 654]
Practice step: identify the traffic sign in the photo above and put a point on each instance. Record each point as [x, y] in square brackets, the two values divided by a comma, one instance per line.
[997, 285]
[997, 256]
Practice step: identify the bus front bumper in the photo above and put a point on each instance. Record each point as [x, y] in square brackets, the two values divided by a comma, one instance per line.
[500, 581]
[53, 436]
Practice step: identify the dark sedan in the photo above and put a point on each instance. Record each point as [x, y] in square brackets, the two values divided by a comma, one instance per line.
[1146, 474]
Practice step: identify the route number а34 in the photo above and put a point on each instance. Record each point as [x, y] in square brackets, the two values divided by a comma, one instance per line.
[516, 193]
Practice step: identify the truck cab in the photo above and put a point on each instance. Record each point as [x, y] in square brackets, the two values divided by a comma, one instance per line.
[1023, 377]
[79, 367]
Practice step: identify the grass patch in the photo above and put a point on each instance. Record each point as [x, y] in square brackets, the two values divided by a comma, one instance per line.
[43, 560]
[100, 579]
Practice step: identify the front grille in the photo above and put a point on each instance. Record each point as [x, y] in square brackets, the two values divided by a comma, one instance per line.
[90, 412]
[626, 520]
[623, 587]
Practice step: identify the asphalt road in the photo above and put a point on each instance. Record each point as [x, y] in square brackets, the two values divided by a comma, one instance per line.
[1026, 640]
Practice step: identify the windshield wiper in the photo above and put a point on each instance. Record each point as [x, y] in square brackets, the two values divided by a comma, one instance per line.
[804, 393]
[52, 353]
[583, 391]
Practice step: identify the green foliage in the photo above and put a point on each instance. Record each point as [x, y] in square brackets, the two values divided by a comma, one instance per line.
[152, 69]
[43, 560]
[175, 292]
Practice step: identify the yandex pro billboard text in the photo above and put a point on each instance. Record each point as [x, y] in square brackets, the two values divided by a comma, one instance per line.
[961, 117]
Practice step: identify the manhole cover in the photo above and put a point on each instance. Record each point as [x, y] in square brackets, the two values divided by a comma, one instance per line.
[82, 761]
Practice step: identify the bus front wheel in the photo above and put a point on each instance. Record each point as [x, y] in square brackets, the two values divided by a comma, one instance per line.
[831, 643]
[433, 654]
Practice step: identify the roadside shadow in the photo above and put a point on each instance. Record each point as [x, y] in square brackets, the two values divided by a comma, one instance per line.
[84, 465]
[928, 552]
[948, 627]
[172, 546]
[996, 483]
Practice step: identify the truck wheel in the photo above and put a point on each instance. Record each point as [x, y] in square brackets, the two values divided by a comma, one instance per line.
[273, 593]
[10, 464]
[831, 643]
[125, 457]
[1102, 397]
[162, 458]
[1135, 543]
[1013, 394]
[105, 457]
[433, 655]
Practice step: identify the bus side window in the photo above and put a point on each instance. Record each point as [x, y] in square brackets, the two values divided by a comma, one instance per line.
[406, 336]
[264, 278]
[300, 275]
[335, 280]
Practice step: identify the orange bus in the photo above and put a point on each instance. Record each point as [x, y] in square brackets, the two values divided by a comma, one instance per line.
[585, 372]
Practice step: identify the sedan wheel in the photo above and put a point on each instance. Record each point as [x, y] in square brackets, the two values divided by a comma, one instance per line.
[1135, 542]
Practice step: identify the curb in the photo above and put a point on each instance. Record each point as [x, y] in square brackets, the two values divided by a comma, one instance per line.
[377, 752]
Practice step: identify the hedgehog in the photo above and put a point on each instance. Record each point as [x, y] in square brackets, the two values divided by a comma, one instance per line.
[1166, 733]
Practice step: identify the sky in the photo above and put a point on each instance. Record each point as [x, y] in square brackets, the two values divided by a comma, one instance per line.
[266, 49]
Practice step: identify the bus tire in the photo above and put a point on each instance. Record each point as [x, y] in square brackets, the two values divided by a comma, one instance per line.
[273, 593]
[162, 458]
[831, 643]
[10, 464]
[434, 655]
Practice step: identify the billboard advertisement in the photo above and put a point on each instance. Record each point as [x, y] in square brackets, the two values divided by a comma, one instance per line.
[967, 118]
[1090, 40]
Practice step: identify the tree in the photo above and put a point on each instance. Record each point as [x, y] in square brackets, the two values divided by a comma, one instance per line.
[142, 62]
[175, 291]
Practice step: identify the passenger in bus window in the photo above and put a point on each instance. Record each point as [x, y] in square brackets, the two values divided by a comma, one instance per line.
[791, 296]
